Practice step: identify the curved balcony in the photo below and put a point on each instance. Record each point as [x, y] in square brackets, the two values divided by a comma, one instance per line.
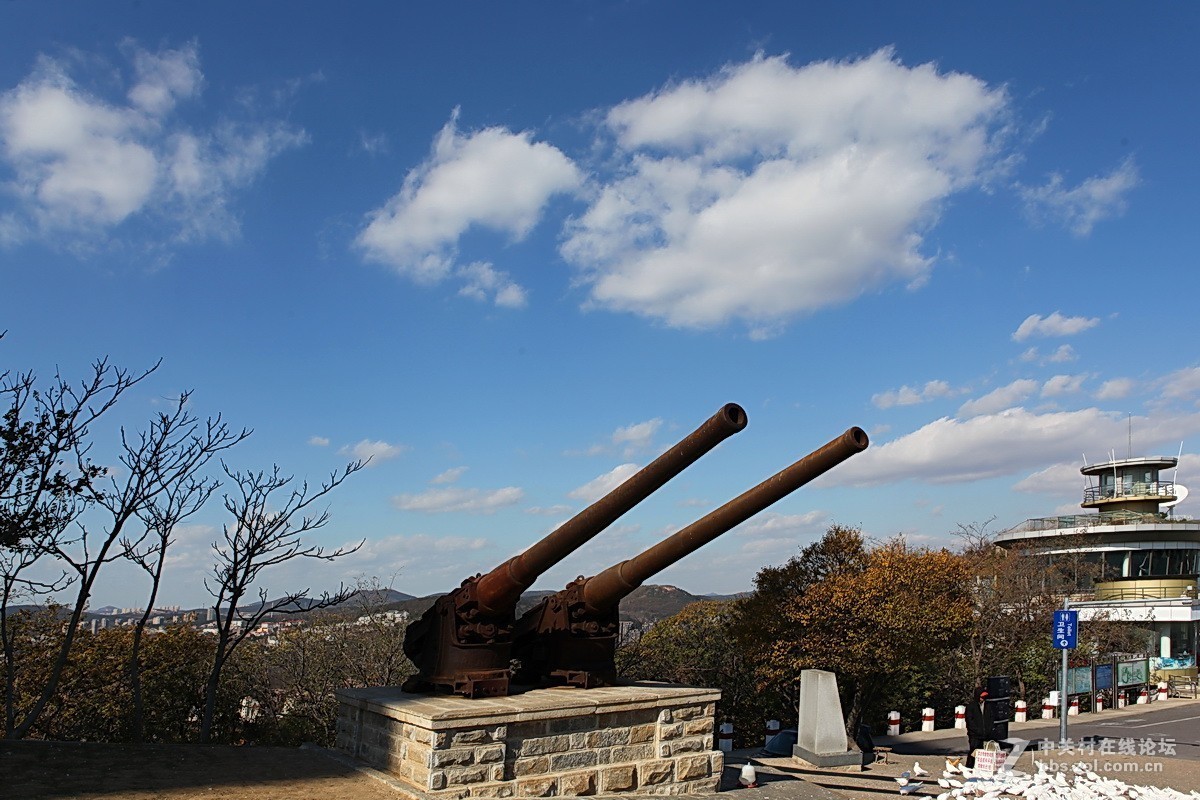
[1161, 491]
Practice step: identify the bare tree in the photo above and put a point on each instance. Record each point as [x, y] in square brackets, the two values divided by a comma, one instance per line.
[47, 481]
[46, 476]
[164, 458]
[185, 491]
[262, 536]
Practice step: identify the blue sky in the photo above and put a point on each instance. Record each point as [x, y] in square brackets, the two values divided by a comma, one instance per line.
[512, 250]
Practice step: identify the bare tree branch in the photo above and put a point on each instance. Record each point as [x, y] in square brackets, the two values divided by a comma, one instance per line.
[268, 528]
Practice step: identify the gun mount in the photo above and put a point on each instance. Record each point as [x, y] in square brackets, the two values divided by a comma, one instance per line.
[463, 643]
[571, 637]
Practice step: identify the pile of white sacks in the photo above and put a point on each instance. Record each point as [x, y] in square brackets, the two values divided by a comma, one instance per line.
[1081, 783]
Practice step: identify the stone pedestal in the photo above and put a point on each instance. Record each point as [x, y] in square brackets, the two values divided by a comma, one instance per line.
[643, 738]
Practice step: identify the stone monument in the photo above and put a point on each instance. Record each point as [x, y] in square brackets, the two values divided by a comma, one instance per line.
[821, 735]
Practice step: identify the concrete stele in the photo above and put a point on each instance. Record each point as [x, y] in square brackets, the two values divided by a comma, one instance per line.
[821, 734]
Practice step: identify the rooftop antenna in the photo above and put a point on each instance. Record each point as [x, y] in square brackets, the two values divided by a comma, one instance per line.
[1130, 434]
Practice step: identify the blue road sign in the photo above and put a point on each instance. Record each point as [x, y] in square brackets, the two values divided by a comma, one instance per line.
[1066, 629]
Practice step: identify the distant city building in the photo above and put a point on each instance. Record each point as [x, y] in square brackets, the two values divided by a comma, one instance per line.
[1147, 560]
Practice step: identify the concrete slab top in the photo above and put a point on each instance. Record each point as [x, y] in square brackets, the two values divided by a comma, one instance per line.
[449, 711]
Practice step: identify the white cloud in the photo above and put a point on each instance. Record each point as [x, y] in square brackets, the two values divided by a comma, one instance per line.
[485, 283]
[1053, 325]
[418, 558]
[83, 165]
[454, 498]
[318, 441]
[637, 436]
[1081, 207]
[548, 511]
[492, 179]
[1057, 479]
[377, 452]
[1062, 354]
[1183, 384]
[907, 396]
[1063, 384]
[772, 525]
[999, 399]
[1115, 389]
[596, 488]
[373, 144]
[954, 451]
[449, 476]
[769, 191]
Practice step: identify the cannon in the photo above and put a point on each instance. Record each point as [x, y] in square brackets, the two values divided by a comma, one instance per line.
[571, 637]
[462, 644]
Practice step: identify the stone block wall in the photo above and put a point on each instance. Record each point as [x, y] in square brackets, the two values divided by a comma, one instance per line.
[638, 739]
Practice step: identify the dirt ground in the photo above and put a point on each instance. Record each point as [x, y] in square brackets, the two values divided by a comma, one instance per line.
[31, 770]
[89, 771]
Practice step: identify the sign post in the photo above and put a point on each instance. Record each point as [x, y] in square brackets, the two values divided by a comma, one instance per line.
[1065, 635]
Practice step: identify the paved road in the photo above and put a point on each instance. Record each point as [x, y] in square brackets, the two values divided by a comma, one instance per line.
[1167, 723]
[1176, 721]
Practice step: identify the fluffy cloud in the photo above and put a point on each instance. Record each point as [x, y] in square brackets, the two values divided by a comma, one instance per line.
[955, 451]
[1058, 479]
[638, 435]
[1053, 325]
[435, 561]
[485, 283]
[767, 191]
[1063, 384]
[1081, 207]
[377, 452]
[998, 399]
[1061, 355]
[318, 441]
[1183, 384]
[596, 488]
[454, 498]
[772, 525]
[493, 179]
[548, 511]
[83, 164]
[1115, 389]
[449, 476]
[907, 396]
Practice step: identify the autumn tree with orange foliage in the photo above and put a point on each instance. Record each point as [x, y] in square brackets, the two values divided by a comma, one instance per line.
[875, 616]
[870, 626]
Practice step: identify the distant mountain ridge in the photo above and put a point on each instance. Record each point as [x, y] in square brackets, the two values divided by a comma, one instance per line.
[644, 606]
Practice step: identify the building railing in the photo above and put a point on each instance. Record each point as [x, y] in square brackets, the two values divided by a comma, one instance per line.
[1130, 491]
[1138, 593]
[1091, 521]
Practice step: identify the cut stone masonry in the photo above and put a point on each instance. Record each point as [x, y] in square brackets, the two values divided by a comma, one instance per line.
[643, 738]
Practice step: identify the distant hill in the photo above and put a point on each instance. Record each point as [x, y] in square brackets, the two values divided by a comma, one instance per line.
[645, 605]
[648, 604]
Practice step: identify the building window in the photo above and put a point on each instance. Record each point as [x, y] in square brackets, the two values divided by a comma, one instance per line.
[1114, 564]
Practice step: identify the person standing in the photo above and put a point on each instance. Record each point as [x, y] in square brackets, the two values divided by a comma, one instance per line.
[980, 724]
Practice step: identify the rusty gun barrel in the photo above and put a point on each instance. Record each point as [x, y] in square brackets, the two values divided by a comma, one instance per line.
[570, 637]
[502, 587]
[606, 589]
[462, 643]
